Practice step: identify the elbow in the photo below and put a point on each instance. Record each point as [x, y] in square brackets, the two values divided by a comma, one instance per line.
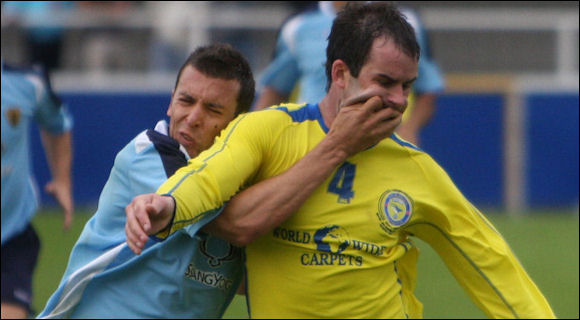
[239, 242]
[241, 236]
[237, 232]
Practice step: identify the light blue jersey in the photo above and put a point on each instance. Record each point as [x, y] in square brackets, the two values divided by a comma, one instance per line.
[26, 97]
[189, 275]
[301, 56]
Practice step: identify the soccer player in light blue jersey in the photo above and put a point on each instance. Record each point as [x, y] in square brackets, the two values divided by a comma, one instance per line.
[27, 97]
[192, 274]
[300, 57]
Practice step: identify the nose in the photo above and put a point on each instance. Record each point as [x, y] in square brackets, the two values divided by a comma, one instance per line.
[195, 116]
[398, 97]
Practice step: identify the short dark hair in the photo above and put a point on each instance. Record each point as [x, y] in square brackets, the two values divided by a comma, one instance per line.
[356, 27]
[224, 62]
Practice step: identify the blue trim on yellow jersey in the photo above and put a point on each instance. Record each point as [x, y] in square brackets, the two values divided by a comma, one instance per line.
[404, 245]
[226, 139]
[479, 214]
[186, 222]
[305, 113]
[404, 143]
[401, 284]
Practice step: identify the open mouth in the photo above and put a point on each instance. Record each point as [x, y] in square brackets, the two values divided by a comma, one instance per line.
[186, 139]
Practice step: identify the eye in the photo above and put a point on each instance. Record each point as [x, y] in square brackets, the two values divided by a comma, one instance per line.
[187, 100]
[408, 85]
[214, 109]
[384, 82]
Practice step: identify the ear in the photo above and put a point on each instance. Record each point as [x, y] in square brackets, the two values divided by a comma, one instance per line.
[340, 73]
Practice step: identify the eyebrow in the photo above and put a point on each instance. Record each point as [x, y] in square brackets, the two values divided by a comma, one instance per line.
[209, 104]
[394, 80]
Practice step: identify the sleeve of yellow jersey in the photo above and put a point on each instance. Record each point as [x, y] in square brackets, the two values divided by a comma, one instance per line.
[218, 173]
[474, 251]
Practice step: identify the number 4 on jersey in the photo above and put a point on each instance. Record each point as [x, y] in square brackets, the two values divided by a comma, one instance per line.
[341, 183]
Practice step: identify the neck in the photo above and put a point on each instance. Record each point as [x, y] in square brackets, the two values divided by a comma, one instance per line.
[329, 109]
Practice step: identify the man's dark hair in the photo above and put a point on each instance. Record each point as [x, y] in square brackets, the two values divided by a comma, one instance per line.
[356, 27]
[224, 62]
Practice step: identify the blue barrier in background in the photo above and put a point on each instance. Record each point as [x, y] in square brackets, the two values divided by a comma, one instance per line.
[552, 144]
[465, 137]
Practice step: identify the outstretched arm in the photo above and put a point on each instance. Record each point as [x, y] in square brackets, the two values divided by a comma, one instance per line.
[263, 206]
[260, 208]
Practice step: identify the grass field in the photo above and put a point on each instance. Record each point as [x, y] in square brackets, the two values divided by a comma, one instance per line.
[546, 243]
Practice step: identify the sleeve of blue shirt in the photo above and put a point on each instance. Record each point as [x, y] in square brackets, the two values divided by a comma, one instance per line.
[282, 73]
[51, 114]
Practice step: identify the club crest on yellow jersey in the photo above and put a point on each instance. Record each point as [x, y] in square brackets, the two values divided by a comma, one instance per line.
[395, 209]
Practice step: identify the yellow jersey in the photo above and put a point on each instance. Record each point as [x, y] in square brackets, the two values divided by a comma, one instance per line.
[347, 252]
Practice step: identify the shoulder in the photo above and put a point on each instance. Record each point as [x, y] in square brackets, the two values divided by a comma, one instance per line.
[301, 17]
[413, 153]
[153, 148]
[34, 78]
[142, 144]
[426, 165]
[136, 151]
[303, 22]
[287, 113]
[140, 167]
[20, 70]
[147, 139]
[21, 78]
[267, 115]
[405, 144]
[262, 125]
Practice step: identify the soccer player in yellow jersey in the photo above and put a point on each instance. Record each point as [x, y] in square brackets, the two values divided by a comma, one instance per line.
[347, 252]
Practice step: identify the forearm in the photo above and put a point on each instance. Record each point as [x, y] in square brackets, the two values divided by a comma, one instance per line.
[261, 207]
[58, 149]
[480, 260]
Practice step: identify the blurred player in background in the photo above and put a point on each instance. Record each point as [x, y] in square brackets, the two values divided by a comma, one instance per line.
[192, 274]
[347, 252]
[299, 65]
[43, 37]
[26, 97]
